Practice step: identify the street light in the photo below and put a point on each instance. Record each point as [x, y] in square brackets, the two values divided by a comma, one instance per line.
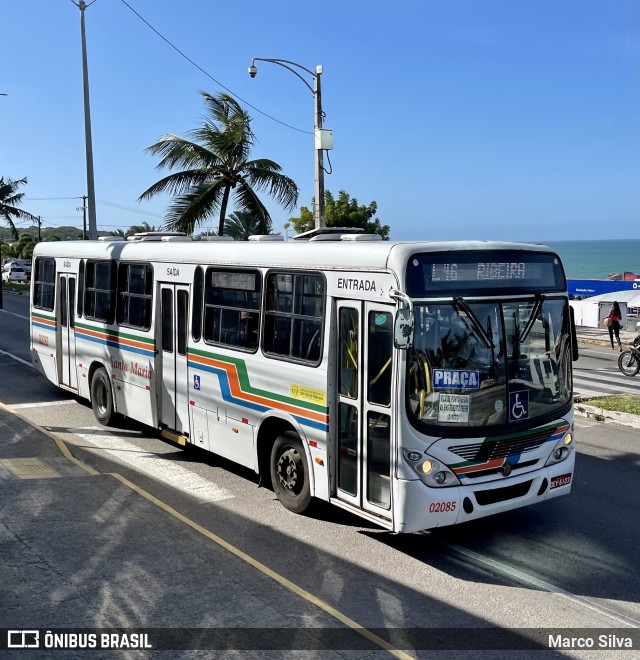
[322, 138]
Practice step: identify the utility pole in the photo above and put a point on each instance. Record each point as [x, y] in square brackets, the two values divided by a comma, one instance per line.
[83, 208]
[39, 219]
[93, 228]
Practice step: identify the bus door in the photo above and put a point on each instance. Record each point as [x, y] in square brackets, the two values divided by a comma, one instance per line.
[66, 341]
[173, 327]
[365, 370]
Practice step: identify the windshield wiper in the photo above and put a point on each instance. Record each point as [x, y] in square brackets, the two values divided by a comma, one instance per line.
[460, 303]
[532, 319]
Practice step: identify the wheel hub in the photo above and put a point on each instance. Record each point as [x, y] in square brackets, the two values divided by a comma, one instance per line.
[288, 468]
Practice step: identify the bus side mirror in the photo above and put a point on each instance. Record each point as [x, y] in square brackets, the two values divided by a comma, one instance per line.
[403, 329]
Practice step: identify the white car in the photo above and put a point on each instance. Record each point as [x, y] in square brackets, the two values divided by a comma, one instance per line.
[14, 274]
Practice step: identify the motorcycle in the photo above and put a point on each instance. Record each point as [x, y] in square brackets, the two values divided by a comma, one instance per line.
[629, 360]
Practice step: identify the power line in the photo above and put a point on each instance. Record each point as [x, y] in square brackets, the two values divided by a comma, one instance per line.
[300, 130]
[128, 208]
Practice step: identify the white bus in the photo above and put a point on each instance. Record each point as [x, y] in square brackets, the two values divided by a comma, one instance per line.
[416, 384]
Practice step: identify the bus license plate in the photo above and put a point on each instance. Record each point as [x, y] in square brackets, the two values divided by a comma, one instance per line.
[560, 480]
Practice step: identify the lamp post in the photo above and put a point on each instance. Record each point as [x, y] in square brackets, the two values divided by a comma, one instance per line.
[318, 207]
[93, 228]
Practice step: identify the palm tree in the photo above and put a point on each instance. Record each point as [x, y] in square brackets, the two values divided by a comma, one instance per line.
[214, 163]
[10, 198]
[240, 225]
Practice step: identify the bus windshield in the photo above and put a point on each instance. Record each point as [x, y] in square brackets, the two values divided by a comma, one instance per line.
[488, 364]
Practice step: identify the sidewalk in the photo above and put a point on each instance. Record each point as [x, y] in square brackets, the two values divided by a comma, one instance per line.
[601, 336]
[83, 549]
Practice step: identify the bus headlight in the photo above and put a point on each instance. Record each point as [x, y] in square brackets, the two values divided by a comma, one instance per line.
[433, 473]
[561, 450]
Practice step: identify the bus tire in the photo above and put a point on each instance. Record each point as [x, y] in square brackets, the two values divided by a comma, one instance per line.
[102, 397]
[289, 473]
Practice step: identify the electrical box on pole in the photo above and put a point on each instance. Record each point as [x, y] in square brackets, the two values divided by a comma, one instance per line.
[324, 139]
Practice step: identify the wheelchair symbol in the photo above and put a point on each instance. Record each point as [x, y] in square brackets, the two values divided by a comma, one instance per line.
[196, 382]
[519, 404]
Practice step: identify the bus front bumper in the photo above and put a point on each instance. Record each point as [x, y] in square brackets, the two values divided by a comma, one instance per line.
[427, 508]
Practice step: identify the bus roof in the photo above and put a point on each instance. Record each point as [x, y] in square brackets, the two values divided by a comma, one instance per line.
[332, 255]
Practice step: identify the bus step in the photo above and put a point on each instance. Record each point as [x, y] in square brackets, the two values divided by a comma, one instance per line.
[174, 436]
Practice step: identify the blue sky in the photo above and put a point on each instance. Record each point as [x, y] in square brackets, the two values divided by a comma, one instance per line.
[488, 119]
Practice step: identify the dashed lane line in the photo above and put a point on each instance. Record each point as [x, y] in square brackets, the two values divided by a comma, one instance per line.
[18, 359]
[521, 576]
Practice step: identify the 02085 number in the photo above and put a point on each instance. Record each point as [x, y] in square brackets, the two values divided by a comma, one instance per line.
[442, 507]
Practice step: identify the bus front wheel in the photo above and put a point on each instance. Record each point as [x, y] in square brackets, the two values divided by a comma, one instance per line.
[289, 473]
[101, 397]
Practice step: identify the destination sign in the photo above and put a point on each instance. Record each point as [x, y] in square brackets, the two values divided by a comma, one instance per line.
[505, 270]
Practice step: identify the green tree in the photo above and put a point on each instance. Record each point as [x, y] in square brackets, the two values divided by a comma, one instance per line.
[23, 248]
[240, 225]
[214, 164]
[10, 200]
[6, 250]
[342, 212]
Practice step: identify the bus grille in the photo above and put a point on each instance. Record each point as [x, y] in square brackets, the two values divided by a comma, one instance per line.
[502, 447]
[484, 497]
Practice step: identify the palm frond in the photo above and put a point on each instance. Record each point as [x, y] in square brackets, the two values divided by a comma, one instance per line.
[175, 150]
[190, 209]
[176, 183]
[280, 187]
[246, 199]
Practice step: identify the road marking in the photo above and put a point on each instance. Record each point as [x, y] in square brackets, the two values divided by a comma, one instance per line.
[41, 404]
[542, 585]
[243, 556]
[28, 468]
[20, 316]
[166, 471]
[356, 627]
[15, 357]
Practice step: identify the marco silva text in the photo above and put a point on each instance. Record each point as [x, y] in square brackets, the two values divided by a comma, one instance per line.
[590, 642]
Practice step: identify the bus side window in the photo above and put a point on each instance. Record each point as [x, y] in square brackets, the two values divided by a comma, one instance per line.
[196, 315]
[379, 356]
[294, 316]
[80, 288]
[232, 308]
[44, 284]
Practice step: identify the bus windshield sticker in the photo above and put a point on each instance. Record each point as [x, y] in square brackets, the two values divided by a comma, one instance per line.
[309, 394]
[453, 408]
[456, 379]
[518, 405]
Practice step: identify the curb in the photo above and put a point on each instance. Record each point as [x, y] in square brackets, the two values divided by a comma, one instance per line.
[602, 415]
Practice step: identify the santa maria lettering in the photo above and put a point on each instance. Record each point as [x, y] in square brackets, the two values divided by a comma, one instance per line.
[134, 368]
[456, 379]
[353, 284]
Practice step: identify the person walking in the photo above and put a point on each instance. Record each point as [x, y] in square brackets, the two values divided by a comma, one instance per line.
[613, 325]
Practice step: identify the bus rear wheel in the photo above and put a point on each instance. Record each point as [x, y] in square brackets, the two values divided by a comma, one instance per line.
[102, 397]
[289, 473]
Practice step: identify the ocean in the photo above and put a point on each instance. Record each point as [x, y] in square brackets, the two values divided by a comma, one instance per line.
[597, 259]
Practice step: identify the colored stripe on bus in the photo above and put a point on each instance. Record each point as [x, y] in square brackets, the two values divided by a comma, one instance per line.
[236, 389]
[547, 434]
[43, 321]
[122, 341]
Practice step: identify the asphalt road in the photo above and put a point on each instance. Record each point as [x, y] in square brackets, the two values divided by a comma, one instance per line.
[570, 563]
